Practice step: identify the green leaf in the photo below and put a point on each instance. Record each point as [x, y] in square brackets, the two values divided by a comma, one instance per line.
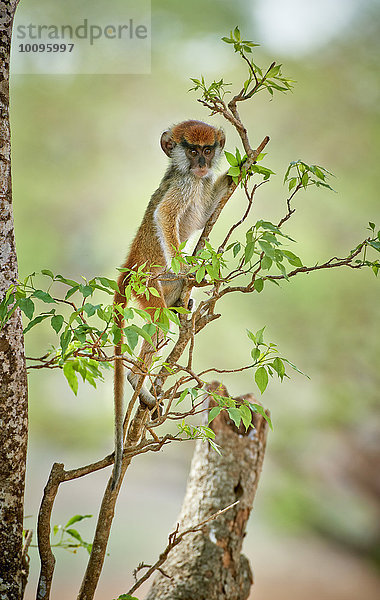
[90, 309]
[266, 263]
[150, 328]
[234, 171]
[181, 310]
[142, 313]
[279, 367]
[261, 378]
[47, 272]
[172, 316]
[75, 534]
[375, 244]
[193, 393]
[292, 258]
[143, 333]
[128, 313]
[267, 249]
[176, 266]
[255, 353]
[199, 275]
[248, 252]
[212, 271]
[76, 518]
[65, 340]
[44, 296]
[246, 416]
[183, 395]
[259, 409]
[127, 597]
[132, 337]
[57, 322]
[162, 321]
[271, 238]
[231, 159]
[236, 249]
[215, 446]
[259, 285]
[207, 432]
[71, 291]
[70, 282]
[35, 321]
[281, 267]
[235, 415]
[86, 290]
[71, 376]
[79, 334]
[318, 172]
[274, 71]
[251, 336]
[108, 283]
[259, 336]
[27, 306]
[214, 413]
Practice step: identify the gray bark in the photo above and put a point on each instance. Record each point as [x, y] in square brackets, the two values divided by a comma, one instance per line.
[208, 565]
[13, 386]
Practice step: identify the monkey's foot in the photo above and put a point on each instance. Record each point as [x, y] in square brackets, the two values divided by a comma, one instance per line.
[147, 399]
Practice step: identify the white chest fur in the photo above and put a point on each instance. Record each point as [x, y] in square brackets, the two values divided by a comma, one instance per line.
[194, 216]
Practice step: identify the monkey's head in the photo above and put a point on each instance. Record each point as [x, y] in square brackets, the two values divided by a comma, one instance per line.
[194, 146]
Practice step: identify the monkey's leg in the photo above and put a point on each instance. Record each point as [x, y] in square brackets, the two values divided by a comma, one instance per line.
[172, 286]
[145, 360]
[148, 351]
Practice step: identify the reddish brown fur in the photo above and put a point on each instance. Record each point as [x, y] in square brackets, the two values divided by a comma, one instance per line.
[169, 200]
[196, 133]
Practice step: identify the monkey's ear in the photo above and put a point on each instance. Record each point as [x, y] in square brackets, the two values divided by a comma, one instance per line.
[167, 142]
[221, 138]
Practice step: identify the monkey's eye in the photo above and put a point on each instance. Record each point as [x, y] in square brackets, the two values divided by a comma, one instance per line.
[207, 151]
[193, 152]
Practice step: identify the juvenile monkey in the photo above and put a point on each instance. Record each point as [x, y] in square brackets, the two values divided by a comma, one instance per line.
[185, 199]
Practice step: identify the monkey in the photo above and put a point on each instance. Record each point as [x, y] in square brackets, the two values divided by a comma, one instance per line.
[186, 197]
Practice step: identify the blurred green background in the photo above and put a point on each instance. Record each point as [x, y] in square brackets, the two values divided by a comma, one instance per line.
[86, 158]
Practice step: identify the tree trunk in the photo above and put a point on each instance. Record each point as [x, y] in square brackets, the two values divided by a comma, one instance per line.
[13, 385]
[208, 565]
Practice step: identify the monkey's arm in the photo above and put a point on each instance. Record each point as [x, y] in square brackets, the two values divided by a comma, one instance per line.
[221, 184]
[219, 188]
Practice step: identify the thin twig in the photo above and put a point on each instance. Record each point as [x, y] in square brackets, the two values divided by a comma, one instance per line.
[176, 538]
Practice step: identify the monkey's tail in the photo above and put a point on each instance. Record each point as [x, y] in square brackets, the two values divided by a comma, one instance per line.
[119, 385]
[119, 414]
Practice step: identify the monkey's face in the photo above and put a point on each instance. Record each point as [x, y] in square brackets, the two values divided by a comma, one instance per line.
[194, 147]
[200, 158]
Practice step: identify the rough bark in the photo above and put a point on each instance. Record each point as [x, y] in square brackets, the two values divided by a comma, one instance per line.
[208, 565]
[13, 386]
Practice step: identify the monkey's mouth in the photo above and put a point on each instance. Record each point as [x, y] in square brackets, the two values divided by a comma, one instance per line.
[200, 171]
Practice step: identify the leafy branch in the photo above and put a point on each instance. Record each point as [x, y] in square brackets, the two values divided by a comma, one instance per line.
[86, 330]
